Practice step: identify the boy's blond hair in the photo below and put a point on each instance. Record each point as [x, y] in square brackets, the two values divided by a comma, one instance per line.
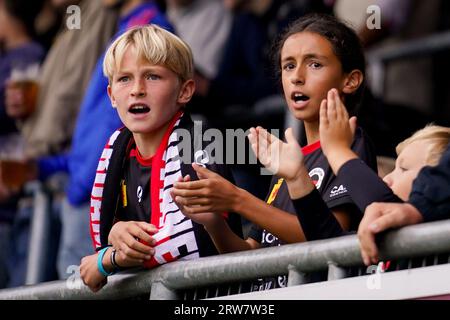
[154, 45]
[437, 138]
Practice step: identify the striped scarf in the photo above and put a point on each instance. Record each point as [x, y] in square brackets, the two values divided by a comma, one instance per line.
[175, 237]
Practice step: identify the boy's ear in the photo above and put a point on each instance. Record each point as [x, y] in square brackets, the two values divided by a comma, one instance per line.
[111, 97]
[186, 92]
[352, 81]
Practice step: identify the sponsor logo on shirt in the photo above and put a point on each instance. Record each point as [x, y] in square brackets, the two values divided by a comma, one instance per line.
[317, 175]
[337, 191]
[201, 158]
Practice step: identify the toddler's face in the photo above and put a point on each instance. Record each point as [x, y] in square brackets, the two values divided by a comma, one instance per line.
[407, 167]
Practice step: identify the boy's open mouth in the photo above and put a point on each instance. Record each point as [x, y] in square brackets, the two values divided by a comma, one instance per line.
[139, 109]
[299, 97]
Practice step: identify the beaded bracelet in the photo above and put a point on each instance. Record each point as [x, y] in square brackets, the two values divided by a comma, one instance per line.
[100, 267]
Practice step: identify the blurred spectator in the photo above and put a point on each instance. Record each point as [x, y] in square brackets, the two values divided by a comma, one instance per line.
[49, 22]
[64, 77]
[17, 49]
[204, 25]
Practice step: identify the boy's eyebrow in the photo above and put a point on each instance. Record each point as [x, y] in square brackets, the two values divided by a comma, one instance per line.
[143, 69]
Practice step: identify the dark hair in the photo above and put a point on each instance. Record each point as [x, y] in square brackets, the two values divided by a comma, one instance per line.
[26, 12]
[344, 41]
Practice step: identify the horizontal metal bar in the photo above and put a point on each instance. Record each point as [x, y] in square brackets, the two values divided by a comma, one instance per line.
[412, 48]
[418, 240]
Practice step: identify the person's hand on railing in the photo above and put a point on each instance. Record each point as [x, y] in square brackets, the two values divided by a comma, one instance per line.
[379, 217]
[336, 131]
[133, 242]
[90, 274]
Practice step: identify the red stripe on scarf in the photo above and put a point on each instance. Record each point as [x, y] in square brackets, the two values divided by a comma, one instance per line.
[156, 182]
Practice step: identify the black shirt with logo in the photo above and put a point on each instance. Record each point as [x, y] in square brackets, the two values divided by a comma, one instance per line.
[332, 189]
[135, 200]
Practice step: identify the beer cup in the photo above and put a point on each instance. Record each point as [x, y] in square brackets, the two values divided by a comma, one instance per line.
[25, 81]
[14, 173]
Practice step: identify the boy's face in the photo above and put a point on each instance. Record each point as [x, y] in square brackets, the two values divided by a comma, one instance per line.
[146, 96]
[407, 166]
[309, 69]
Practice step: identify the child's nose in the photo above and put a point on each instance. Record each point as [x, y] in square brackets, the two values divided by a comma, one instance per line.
[138, 89]
[388, 179]
[298, 76]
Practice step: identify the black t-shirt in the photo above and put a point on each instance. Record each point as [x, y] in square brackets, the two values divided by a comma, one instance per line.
[136, 188]
[135, 205]
[332, 189]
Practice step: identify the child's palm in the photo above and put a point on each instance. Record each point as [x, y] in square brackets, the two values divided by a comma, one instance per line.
[281, 158]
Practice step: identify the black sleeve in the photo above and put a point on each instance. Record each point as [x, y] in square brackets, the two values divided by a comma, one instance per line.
[431, 190]
[337, 193]
[364, 185]
[316, 219]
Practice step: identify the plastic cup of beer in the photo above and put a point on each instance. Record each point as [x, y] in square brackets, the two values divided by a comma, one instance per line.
[25, 80]
[14, 173]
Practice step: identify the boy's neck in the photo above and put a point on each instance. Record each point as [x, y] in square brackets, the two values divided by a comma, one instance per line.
[147, 144]
[312, 131]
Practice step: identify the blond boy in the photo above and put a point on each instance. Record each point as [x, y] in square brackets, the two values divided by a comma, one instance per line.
[134, 221]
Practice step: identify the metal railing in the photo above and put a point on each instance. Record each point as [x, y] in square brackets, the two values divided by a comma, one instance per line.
[297, 260]
[379, 58]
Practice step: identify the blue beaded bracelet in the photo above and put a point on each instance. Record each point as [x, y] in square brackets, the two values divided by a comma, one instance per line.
[102, 270]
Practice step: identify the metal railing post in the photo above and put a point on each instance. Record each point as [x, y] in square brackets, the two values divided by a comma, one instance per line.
[335, 272]
[295, 276]
[159, 291]
[39, 235]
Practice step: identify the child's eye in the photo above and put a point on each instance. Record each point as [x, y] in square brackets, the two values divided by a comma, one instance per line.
[403, 169]
[152, 76]
[288, 66]
[123, 79]
[315, 65]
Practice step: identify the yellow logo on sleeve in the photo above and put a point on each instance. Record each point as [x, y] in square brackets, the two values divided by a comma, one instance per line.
[274, 192]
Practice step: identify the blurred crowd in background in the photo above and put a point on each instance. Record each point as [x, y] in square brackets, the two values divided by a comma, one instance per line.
[55, 115]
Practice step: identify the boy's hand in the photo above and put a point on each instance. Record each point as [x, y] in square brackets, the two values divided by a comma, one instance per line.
[282, 159]
[212, 193]
[205, 218]
[90, 274]
[127, 237]
[336, 131]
